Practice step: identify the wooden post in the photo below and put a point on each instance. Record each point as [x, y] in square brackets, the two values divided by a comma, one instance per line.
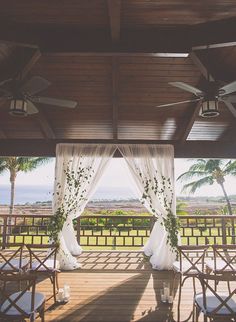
[224, 236]
[78, 230]
[4, 233]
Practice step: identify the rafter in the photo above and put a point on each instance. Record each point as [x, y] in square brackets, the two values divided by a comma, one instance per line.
[30, 63]
[190, 121]
[216, 45]
[44, 124]
[115, 94]
[2, 134]
[196, 60]
[114, 7]
[191, 149]
[180, 39]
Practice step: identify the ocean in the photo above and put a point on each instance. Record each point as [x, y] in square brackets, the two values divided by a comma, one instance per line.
[32, 194]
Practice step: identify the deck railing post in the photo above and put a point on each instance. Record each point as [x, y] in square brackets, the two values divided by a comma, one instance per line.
[78, 230]
[4, 233]
[224, 234]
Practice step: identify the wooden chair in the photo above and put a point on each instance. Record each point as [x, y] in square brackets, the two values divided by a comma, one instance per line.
[24, 303]
[190, 263]
[224, 259]
[43, 262]
[11, 260]
[212, 303]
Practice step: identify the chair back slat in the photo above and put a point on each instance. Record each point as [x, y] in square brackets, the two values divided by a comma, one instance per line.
[9, 302]
[227, 256]
[223, 302]
[196, 263]
[8, 257]
[41, 261]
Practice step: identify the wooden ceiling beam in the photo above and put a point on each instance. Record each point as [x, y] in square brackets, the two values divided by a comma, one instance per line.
[114, 8]
[20, 63]
[44, 125]
[195, 110]
[191, 149]
[59, 39]
[30, 63]
[203, 69]
[2, 134]
[190, 121]
[115, 95]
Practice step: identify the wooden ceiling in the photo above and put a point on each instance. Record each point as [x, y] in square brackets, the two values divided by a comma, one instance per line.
[116, 58]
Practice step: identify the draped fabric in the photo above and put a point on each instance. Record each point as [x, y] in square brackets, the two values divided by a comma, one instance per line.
[152, 168]
[78, 170]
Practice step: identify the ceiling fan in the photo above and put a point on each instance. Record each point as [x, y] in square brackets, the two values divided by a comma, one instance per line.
[209, 97]
[23, 96]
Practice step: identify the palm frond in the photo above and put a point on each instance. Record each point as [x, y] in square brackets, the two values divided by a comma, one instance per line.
[3, 165]
[191, 174]
[230, 168]
[194, 185]
[28, 164]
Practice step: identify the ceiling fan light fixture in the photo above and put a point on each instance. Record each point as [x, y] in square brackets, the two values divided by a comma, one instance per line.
[18, 107]
[209, 108]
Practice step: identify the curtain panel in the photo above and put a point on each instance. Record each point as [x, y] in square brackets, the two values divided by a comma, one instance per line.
[152, 168]
[78, 170]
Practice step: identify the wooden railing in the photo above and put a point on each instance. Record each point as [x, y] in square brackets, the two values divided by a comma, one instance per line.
[27, 229]
[114, 231]
[117, 231]
[203, 230]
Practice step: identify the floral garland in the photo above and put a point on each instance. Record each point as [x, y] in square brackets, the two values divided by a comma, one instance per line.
[72, 197]
[160, 188]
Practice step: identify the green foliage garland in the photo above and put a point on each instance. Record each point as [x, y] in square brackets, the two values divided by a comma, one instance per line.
[72, 197]
[160, 188]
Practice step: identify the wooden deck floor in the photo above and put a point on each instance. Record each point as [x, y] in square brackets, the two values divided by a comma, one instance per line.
[115, 286]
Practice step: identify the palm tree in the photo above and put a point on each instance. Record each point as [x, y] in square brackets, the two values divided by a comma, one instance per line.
[15, 165]
[207, 172]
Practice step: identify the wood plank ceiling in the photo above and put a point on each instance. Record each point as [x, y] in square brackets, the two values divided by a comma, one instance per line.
[116, 58]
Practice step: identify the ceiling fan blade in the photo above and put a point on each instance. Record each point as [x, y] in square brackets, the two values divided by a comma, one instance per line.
[187, 88]
[31, 108]
[230, 98]
[178, 103]
[55, 102]
[5, 81]
[35, 85]
[3, 100]
[227, 89]
[230, 107]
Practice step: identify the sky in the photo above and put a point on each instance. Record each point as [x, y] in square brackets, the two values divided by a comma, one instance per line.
[116, 175]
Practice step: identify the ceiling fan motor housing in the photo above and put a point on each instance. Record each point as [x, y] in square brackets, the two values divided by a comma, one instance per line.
[209, 107]
[18, 107]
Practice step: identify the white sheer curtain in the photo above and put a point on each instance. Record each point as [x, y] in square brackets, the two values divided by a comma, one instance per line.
[85, 164]
[152, 168]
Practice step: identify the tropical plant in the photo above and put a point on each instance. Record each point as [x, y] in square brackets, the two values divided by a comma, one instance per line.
[207, 172]
[19, 164]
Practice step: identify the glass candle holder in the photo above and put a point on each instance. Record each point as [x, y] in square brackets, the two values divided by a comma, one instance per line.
[66, 293]
[60, 295]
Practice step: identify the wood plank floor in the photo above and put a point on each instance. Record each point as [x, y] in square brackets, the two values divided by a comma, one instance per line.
[115, 286]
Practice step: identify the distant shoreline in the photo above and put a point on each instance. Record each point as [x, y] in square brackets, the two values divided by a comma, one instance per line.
[191, 205]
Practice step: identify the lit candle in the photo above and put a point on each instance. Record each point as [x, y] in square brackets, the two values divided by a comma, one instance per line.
[60, 295]
[166, 292]
[163, 298]
[170, 299]
[66, 292]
